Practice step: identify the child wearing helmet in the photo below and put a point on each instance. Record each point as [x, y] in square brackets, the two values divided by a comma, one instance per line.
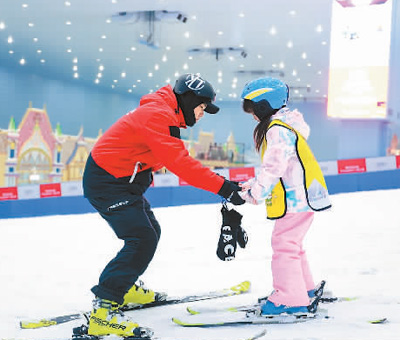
[292, 185]
[117, 174]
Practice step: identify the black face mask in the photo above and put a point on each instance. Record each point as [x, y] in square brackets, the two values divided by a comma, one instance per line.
[188, 102]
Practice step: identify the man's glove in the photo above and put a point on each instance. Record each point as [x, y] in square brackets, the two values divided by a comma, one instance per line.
[231, 234]
[229, 191]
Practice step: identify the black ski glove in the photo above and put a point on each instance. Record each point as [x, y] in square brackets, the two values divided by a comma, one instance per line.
[229, 191]
[231, 234]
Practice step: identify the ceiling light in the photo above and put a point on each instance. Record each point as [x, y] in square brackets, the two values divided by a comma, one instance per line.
[101, 68]
[186, 34]
[42, 61]
[206, 44]
[308, 64]
[292, 13]
[294, 73]
[24, 5]
[99, 75]
[103, 37]
[130, 90]
[156, 67]
[128, 59]
[133, 48]
[101, 49]
[35, 39]
[220, 80]
[67, 3]
[68, 23]
[219, 73]
[176, 74]
[123, 75]
[97, 81]
[22, 61]
[319, 28]
[76, 75]
[164, 58]
[31, 24]
[150, 74]
[241, 15]
[234, 85]
[39, 51]
[220, 33]
[272, 30]
[108, 21]
[185, 66]
[115, 81]
[68, 38]
[281, 64]
[168, 48]
[69, 50]
[138, 80]
[324, 43]
[75, 60]
[289, 44]
[259, 56]
[134, 85]
[11, 51]
[75, 68]
[2, 25]
[304, 55]
[113, 1]
[10, 39]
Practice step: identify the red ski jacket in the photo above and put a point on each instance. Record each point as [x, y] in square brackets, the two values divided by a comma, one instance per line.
[148, 137]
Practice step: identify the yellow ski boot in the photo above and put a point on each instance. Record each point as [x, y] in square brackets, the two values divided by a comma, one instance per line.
[106, 318]
[139, 295]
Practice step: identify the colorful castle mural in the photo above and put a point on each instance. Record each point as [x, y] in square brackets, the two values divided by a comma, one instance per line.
[35, 153]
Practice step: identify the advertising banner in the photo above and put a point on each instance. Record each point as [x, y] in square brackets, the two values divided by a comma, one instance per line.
[241, 174]
[359, 59]
[8, 193]
[50, 190]
[347, 166]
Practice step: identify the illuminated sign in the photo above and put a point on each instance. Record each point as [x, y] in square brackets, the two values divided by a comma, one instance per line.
[359, 58]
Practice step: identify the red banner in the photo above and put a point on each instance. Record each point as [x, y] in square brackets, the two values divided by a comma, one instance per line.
[348, 166]
[241, 174]
[10, 193]
[398, 162]
[50, 190]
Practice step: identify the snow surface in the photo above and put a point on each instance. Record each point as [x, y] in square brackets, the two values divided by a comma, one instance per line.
[49, 264]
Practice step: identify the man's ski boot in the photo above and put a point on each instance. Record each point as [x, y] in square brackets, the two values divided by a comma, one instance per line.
[139, 295]
[105, 319]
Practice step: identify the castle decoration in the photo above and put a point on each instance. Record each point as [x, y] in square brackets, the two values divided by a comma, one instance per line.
[34, 153]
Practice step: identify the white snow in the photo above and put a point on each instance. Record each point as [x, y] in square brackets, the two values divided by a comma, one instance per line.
[49, 264]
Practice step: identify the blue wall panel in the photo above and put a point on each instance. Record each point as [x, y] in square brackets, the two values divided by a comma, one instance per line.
[174, 196]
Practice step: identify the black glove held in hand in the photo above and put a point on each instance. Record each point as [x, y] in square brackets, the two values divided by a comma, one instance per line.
[231, 234]
[229, 190]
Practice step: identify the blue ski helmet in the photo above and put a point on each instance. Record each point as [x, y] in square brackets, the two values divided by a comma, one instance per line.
[273, 90]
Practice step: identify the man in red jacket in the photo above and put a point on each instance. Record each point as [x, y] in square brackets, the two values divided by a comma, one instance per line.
[119, 171]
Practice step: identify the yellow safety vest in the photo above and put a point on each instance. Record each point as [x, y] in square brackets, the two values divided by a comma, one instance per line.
[314, 182]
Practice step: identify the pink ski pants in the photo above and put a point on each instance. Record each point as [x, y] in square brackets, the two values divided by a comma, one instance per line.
[290, 271]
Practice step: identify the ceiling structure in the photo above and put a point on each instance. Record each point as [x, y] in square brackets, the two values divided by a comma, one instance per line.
[135, 47]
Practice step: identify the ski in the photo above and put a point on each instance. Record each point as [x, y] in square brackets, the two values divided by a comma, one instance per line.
[226, 292]
[244, 318]
[318, 297]
[252, 315]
